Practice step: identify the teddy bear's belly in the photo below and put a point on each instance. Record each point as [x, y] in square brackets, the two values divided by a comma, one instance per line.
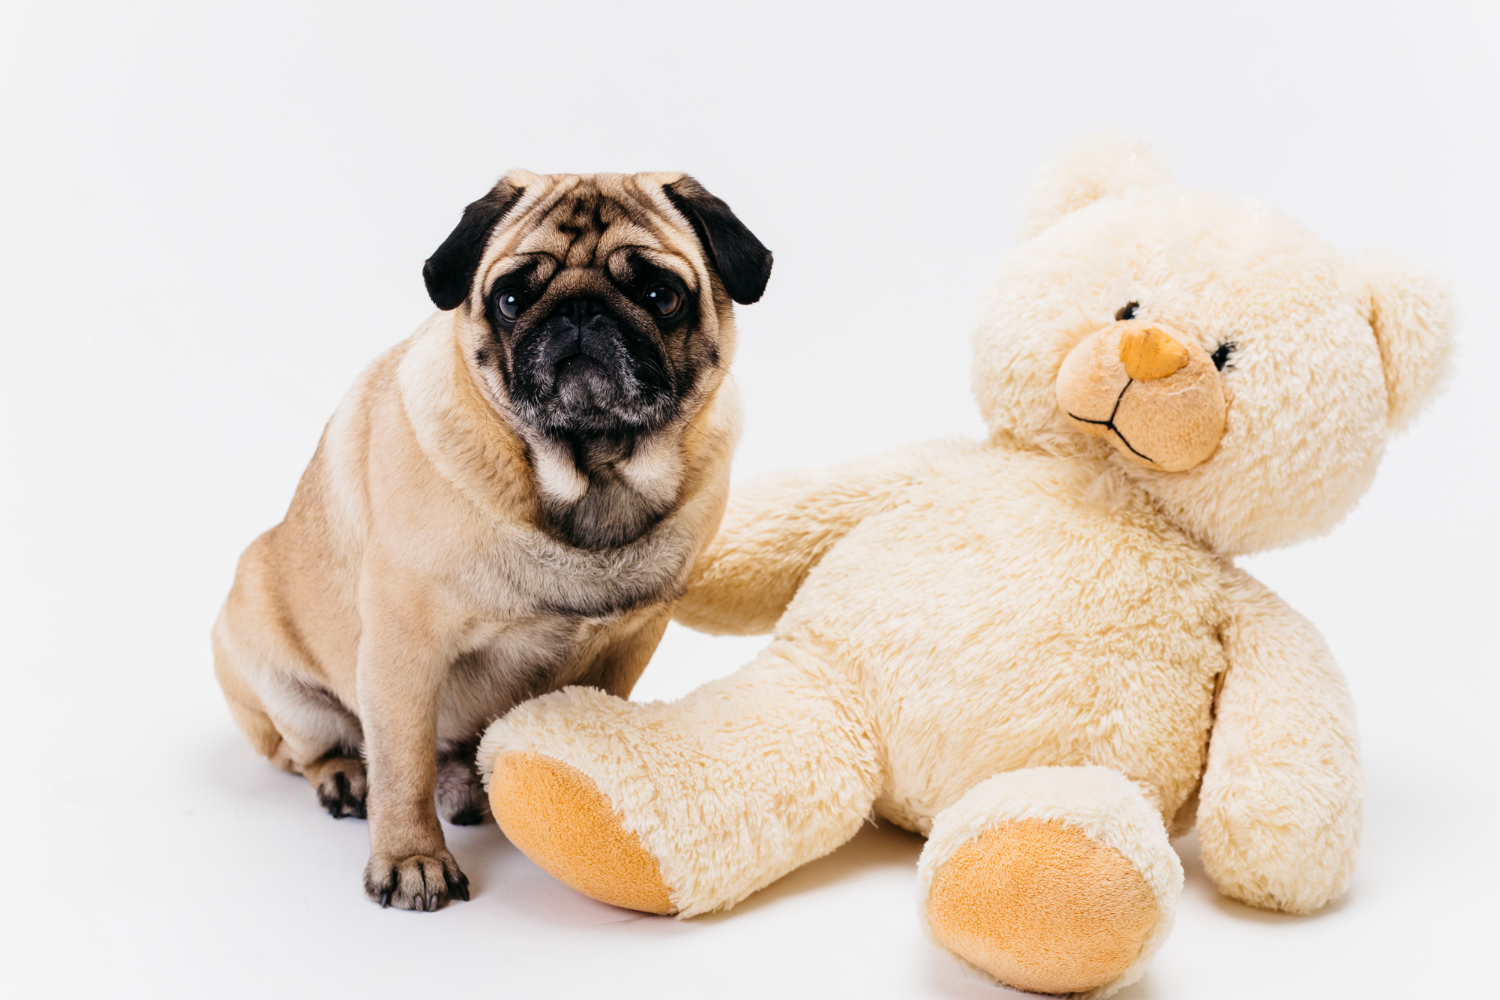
[989, 633]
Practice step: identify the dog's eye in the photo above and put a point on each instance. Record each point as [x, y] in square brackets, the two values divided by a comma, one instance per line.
[508, 305]
[1221, 355]
[663, 300]
[1127, 313]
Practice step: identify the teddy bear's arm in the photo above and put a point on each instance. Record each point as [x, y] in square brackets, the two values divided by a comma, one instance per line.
[1279, 810]
[778, 527]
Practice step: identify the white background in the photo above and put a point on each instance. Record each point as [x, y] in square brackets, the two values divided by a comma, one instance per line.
[213, 219]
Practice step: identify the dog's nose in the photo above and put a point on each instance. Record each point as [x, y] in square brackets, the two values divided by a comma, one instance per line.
[579, 310]
[1148, 353]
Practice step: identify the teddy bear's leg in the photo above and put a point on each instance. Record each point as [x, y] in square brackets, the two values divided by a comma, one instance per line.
[687, 806]
[1279, 810]
[1051, 879]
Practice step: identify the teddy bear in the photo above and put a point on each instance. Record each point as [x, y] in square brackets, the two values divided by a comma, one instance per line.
[1036, 650]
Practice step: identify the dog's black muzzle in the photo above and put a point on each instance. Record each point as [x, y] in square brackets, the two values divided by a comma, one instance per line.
[585, 369]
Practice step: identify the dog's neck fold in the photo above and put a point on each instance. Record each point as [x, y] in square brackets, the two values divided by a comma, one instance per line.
[605, 494]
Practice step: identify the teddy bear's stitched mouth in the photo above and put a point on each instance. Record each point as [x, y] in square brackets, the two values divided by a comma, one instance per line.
[1109, 424]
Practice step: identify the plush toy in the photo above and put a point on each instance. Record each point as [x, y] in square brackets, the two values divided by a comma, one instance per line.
[1035, 650]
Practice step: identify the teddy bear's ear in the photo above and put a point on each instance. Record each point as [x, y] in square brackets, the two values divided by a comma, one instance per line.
[1092, 168]
[1410, 310]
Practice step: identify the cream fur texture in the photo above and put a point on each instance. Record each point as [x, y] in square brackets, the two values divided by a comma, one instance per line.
[1034, 625]
[1090, 169]
[784, 770]
[1282, 838]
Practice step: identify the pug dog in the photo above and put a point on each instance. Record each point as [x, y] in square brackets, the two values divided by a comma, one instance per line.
[507, 503]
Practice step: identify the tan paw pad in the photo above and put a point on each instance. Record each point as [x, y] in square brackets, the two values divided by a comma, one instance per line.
[1041, 906]
[558, 818]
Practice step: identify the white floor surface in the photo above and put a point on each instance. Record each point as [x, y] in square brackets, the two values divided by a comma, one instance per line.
[215, 216]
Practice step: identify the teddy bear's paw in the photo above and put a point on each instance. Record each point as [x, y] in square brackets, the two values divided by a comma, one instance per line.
[558, 818]
[1042, 906]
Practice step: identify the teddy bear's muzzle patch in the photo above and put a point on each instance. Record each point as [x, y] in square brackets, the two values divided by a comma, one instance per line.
[1150, 391]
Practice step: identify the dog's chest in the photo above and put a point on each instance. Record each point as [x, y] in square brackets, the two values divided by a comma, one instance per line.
[527, 578]
[540, 616]
[506, 661]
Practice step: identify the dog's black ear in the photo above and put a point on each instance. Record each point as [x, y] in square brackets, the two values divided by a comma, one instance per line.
[743, 262]
[450, 270]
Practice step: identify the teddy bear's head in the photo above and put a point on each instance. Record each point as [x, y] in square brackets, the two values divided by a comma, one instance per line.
[1242, 371]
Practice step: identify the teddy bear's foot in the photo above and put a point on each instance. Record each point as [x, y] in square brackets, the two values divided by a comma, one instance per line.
[558, 818]
[1041, 906]
[688, 806]
[1055, 880]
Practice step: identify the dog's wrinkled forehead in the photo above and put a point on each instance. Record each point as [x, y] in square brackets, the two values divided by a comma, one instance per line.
[591, 223]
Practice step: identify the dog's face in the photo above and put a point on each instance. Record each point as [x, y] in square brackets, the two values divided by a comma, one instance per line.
[600, 318]
[599, 294]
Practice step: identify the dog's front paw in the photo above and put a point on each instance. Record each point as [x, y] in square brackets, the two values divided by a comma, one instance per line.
[341, 785]
[416, 882]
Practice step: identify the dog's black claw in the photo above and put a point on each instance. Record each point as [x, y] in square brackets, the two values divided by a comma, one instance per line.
[458, 886]
[385, 898]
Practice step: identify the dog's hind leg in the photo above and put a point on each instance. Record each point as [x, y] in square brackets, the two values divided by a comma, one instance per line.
[324, 740]
[339, 779]
[247, 710]
[299, 726]
[460, 794]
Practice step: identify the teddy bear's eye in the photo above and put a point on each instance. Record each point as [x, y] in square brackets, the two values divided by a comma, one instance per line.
[1127, 313]
[1221, 355]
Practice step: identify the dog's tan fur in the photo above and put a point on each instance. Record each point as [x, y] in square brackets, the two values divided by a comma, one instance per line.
[417, 590]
